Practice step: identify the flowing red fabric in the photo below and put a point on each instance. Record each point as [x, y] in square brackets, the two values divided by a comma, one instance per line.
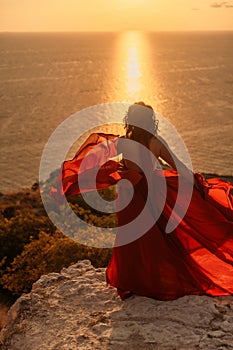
[195, 258]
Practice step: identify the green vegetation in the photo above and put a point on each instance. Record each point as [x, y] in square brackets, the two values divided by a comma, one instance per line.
[30, 245]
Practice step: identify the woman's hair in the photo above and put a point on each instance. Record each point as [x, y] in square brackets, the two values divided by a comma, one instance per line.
[140, 121]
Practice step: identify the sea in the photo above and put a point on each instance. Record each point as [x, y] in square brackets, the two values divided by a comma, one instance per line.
[46, 77]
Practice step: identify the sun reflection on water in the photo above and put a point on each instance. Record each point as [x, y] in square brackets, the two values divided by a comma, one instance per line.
[132, 67]
[133, 71]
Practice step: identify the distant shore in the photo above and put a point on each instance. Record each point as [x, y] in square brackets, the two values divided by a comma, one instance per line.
[29, 197]
[227, 178]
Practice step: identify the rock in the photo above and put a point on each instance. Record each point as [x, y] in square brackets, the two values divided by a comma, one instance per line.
[75, 309]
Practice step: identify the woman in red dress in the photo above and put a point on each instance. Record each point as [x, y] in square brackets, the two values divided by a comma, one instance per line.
[195, 256]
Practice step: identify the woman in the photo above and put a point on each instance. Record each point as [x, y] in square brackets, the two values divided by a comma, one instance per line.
[196, 257]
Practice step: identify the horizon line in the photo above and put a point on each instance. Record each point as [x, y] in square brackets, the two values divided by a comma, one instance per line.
[112, 31]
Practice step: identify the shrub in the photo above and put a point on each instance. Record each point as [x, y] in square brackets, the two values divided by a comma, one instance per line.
[49, 253]
[18, 231]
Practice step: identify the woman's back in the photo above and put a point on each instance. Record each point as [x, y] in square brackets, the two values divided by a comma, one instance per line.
[136, 152]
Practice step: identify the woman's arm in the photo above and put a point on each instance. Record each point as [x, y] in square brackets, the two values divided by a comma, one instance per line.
[162, 150]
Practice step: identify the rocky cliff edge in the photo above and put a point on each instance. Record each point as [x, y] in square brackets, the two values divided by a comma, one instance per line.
[74, 309]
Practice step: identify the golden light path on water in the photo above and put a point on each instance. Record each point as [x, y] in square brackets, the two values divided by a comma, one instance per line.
[132, 68]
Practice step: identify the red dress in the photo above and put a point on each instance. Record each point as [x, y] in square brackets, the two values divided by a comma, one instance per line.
[195, 258]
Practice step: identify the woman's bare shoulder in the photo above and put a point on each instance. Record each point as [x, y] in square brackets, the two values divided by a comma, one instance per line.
[158, 142]
[155, 142]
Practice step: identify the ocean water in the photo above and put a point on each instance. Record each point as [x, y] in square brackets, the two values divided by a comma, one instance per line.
[187, 77]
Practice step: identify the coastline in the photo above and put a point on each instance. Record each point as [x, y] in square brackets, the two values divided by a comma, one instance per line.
[28, 198]
[35, 185]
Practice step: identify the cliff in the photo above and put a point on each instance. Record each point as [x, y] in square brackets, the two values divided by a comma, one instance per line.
[74, 309]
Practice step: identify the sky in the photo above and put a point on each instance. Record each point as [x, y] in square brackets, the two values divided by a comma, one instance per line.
[115, 15]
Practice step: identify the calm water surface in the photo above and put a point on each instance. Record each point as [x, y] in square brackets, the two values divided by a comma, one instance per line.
[187, 77]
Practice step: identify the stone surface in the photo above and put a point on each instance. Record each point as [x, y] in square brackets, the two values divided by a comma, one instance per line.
[75, 309]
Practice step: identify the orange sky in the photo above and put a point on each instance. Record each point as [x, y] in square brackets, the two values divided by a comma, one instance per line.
[112, 15]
